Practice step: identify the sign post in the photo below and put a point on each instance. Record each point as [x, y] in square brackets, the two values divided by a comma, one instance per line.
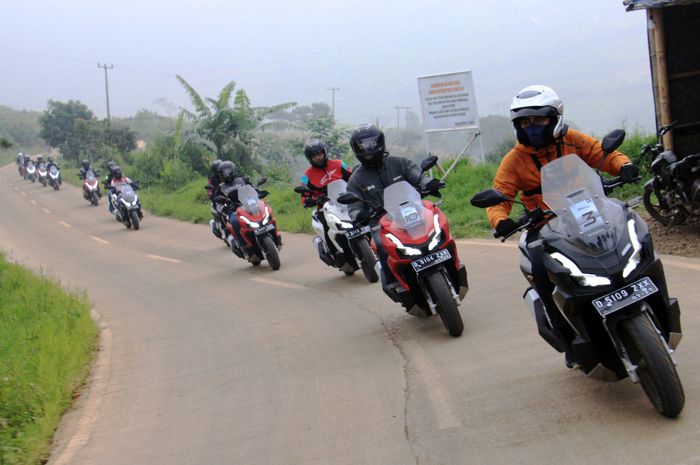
[448, 103]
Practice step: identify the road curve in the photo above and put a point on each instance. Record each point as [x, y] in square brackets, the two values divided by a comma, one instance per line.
[208, 360]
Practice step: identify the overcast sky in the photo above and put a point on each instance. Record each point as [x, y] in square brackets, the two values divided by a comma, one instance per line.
[593, 53]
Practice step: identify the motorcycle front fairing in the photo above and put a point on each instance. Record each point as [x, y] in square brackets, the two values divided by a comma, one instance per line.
[594, 247]
[255, 215]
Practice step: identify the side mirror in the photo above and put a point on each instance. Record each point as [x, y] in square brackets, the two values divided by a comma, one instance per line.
[488, 198]
[262, 181]
[348, 198]
[209, 187]
[428, 163]
[301, 189]
[613, 140]
[263, 194]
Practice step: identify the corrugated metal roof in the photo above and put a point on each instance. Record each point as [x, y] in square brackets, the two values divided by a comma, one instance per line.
[642, 4]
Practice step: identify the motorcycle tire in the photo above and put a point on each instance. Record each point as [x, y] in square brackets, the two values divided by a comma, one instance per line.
[134, 216]
[55, 186]
[439, 289]
[271, 252]
[367, 260]
[660, 212]
[94, 200]
[656, 371]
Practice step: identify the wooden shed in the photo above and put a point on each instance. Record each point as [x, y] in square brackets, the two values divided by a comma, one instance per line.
[674, 52]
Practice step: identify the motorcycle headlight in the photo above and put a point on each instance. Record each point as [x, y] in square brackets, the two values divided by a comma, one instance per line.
[636, 256]
[267, 216]
[582, 278]
[252, 224]
[340, 223]
[125, 202]
[402, 248]
[438, 232]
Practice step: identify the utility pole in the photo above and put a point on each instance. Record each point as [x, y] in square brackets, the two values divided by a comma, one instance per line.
[333, 89]
[106, 67]
[398, 114]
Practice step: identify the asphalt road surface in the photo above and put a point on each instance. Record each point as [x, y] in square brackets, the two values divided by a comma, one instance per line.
[206, 360]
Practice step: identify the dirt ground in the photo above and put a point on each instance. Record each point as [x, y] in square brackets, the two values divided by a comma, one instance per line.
[682, 240]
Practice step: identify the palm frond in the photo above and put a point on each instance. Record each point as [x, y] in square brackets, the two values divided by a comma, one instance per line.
[196, 99]
[225, 96]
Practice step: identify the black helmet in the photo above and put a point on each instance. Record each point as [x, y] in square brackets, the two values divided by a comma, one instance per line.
[214, 167]
[227, 171]
[39, 158]
[86, 163]
[367, 141]
[117, 171]
[111, 165]
[313, 147]
[50, 159]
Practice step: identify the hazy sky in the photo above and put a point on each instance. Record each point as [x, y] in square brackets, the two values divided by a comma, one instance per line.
[593, 53]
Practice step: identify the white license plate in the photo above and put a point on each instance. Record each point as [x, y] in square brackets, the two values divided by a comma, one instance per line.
[264, 229]
[353, 233]
[431, 260]
[625, 296]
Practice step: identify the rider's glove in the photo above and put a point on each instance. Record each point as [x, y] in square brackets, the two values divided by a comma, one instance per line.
[309, 202]
[629, 172]
[505, 227]
[434, 185]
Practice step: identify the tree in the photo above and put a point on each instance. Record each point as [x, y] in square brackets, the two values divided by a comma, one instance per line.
[60, 125]
[4, 143]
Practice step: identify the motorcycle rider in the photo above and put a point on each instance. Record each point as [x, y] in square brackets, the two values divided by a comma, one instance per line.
[537, 114]
[49, 164]
[84, 170]
[377, 171]
[108, 183]
[118, 179]
[317, 177]
[231, 181]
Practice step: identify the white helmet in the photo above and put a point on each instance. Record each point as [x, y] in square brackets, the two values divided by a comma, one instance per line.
[538, 100]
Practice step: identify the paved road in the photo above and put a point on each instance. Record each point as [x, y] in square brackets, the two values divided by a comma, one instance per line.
[207, 360]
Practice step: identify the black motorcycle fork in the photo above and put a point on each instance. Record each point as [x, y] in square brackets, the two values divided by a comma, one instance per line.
[420, 278]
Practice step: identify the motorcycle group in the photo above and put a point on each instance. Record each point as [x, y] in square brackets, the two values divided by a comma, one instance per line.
[596, 289]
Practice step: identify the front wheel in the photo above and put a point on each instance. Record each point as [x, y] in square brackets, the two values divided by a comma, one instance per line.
[134, 216]
[659, 209]
[439, 289]
[367, 260]
[94, 200]
[656, 371]
[271, 252]
[55, 186]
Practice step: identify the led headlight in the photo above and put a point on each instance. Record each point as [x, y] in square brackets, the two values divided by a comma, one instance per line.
[252, 224]
[582, 278]
[635, 258]
[342, 224]
[267, 216]
[402, 248]
[438, 232]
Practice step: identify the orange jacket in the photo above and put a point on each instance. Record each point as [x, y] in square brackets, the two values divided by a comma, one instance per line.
[519, 173]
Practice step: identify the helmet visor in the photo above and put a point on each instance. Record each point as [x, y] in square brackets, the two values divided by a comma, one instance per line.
[368, 144]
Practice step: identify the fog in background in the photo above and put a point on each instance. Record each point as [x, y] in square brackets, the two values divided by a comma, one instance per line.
[593, 53]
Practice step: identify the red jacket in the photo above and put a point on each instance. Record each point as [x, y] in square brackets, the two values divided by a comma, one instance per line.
[317, 179]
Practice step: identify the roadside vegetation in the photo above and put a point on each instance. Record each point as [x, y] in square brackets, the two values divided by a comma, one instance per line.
[46, 344]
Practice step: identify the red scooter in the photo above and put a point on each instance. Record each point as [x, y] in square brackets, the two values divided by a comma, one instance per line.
[91, 188]
[422, 254]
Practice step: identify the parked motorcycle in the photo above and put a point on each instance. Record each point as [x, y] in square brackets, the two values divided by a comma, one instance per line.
[31, 171]
[42, 174]
[91, 188]
[673, 194]
[421, 253]
[609, 286]
[54, 178]
[258, 228]
[126, 205]
[350, 247]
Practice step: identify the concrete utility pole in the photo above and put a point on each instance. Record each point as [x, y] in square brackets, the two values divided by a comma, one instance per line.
[333, 89]
[398, 113]
[106, 67]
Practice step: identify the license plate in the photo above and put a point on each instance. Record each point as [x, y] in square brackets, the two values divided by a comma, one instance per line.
[264, 229]
[353, 233]
[431, 260]
[625, 296]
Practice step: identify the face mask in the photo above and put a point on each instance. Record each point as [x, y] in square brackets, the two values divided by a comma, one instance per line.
[536, 134]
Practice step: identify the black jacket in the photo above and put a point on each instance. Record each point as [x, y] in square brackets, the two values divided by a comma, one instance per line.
[369, 183]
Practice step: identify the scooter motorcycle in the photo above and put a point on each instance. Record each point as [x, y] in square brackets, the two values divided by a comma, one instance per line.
[31, 171]
[219, 218]
[91, 188]
[42, 174]
[422, 254]
[54, 178]
[351, 246]
[258, 228]
[609, 286]
[127, 208]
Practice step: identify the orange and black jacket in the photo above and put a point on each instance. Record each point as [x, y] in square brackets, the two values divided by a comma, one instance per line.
[520, 169]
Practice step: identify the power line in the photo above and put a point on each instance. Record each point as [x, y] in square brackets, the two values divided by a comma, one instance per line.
[106, 67]
[333, 89]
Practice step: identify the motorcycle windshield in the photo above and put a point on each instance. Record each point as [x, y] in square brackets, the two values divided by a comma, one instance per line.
[53, 170]
[405, 209]
[42, 166]
[126, 192]
[30, 166]
[585, 216]
[90, 176]
[248, 197]
[335, 190]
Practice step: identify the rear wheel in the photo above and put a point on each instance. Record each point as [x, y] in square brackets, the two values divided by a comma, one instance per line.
[271, 252]
[655, 369]
[659, 209]
[439, 289]
[134, 216]
[367, 260]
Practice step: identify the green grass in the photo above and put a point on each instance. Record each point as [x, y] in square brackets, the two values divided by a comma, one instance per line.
[46, 343]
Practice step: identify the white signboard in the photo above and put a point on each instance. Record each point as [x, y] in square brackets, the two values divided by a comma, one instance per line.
[448, 102]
